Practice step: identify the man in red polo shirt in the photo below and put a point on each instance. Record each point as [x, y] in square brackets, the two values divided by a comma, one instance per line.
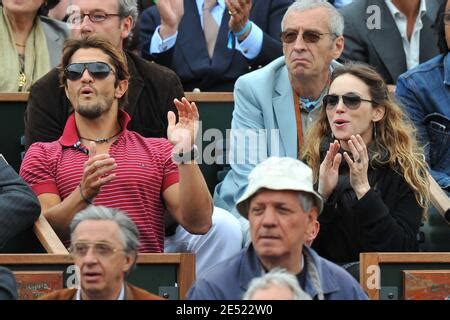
[97, 160]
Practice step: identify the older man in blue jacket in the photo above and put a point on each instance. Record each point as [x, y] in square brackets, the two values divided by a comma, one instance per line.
[282, 208]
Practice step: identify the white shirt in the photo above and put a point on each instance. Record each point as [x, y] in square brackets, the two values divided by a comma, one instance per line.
[411, 48]
[341, 3]
[250, 47]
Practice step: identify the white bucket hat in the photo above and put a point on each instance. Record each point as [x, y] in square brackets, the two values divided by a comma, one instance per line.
[279, 174]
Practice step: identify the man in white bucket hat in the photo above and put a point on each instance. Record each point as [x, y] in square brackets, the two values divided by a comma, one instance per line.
[282, 208]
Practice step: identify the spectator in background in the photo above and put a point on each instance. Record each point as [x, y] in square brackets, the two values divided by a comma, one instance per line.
[104, 247]
[367, 167]
[281, 206]
[8, 288]
[425, 94]
[282, 98]
[152, 87]
[19, 207]
[192, 38]
[31, 44]
[277, 284]
[391, 35]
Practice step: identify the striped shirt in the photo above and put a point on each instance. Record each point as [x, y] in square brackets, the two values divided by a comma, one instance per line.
[144, 170]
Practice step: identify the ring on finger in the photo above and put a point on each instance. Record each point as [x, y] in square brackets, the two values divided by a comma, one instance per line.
[231, 13]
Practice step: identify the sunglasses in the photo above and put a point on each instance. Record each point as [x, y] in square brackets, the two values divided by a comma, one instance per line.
[351, 101]
[308, 36]
[98, 70]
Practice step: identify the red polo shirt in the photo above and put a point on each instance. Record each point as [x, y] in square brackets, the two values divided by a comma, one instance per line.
[144, 170]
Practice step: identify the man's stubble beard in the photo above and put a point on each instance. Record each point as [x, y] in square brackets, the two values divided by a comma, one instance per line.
[96, 110]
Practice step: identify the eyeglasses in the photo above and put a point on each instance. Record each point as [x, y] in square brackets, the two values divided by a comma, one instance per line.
[351, 101]
[446, 17]
[309, 36]
[96, 16]
[98, 70]
[100, 249]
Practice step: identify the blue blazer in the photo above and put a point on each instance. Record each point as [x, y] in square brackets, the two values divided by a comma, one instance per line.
[267, 105]
[189, 57]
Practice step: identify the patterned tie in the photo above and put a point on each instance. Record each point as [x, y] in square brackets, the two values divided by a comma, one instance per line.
[210, 27]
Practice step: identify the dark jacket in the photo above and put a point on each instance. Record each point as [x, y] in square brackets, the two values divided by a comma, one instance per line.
[19, 207]
[229, 279]
[151, 91]
[386, 218]
[382, 46]
[189, 57]
[8, 287]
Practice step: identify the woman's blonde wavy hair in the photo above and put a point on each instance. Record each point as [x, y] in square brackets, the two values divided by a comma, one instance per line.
[395, 134]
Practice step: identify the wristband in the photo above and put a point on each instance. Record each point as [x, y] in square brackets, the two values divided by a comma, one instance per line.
[85, 199]
[244, 30]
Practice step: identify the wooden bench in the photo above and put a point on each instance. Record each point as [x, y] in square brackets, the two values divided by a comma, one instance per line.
[392, 276]
[167, 274]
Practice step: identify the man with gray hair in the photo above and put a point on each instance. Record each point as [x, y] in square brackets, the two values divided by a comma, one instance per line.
[277, 284]
[105, 244]
[282, 207]
[277, 103]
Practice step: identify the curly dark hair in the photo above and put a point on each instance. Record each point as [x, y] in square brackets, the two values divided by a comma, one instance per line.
[440, 29]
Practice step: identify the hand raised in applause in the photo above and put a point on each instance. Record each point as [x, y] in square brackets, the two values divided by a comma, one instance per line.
[171, 12]
[182, 134]
[329, 170]
[358, 166]
[97, 172]
[239, 15]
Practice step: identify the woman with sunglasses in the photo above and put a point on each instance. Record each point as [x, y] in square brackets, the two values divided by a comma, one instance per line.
[368, 168]
[31, 44]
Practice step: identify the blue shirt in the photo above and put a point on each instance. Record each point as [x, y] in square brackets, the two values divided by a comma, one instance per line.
[424, 92]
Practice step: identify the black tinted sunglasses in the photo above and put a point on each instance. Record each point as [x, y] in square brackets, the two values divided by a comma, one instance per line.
[308, 36]
[351, 101]
[98, 70]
